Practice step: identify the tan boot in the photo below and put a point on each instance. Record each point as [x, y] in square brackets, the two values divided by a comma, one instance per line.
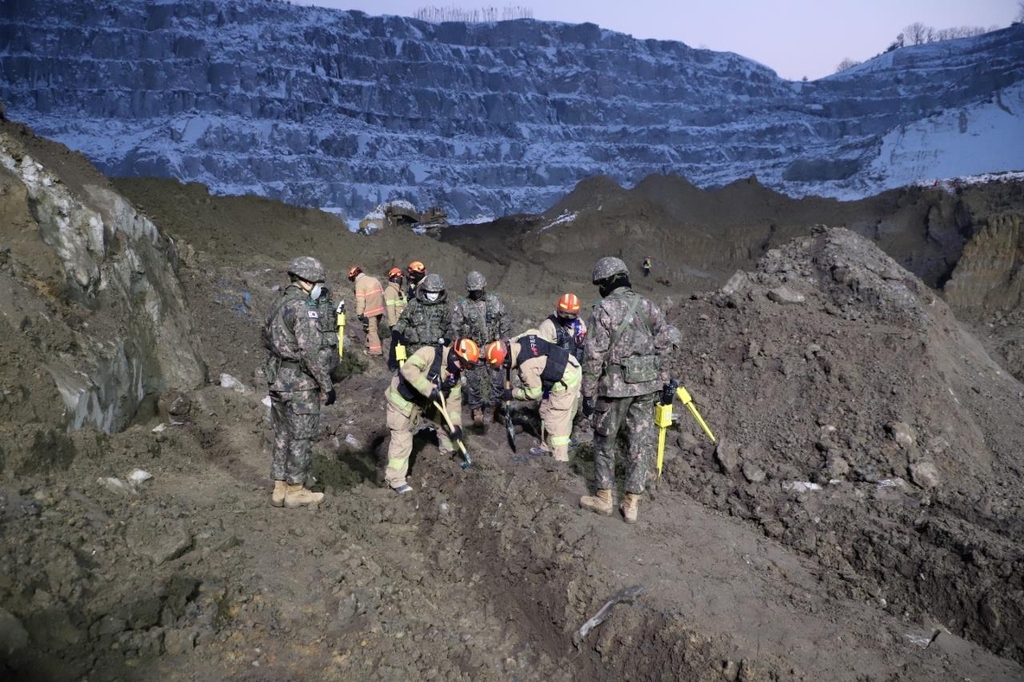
[601, 503]
[478, 416]
[630, 507]
[277, 497]
[298, 496]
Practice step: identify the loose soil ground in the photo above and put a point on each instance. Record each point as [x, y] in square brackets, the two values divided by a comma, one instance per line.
[859, 518]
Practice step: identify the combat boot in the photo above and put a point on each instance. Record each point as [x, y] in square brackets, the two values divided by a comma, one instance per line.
[478, 416]
[630, 507]
[601, 503]
[298, 496]
[277, 497]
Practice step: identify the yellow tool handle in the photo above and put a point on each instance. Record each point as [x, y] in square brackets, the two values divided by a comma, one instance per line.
[442, 408]
[400, 354]
[663, 420]
[684, 397]
[661, 450]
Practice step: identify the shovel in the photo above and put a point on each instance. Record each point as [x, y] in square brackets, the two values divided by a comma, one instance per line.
[442, 407]
[510, 429]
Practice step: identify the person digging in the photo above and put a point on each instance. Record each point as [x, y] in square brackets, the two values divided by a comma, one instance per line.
[548, 373]
[426, 383]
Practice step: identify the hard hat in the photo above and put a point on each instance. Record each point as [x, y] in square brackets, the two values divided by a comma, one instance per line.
[568, 305]
[395, 273]
[353, 271]
[475, 281]
[608, 267]
[417, 268]
[307, 268]
[432, 283]
[468, 351]
[495, 353]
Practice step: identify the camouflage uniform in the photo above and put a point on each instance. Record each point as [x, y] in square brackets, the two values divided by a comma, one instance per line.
[370, 309]
[394, 302]
[423, 322]
[483, 320]
[625, 378]
[297, 371]
[408, 400]
[327, 310]
[552, 377]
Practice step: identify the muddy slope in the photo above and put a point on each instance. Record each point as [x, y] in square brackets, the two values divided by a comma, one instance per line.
[825, 364]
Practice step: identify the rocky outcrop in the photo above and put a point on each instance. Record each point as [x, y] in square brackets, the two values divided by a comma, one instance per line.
[989, 276]
[90, 294]
[343, 111]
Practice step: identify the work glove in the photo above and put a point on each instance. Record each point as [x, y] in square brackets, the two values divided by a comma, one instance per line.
[588, 407]
[506, 395]
[457, 433]
[435, 394]
[331, 398]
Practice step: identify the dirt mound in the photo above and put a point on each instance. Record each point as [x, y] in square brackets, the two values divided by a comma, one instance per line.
[833, 366]
[860, 517]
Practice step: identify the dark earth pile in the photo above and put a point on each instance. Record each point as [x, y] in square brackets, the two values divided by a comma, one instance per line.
[859, 519]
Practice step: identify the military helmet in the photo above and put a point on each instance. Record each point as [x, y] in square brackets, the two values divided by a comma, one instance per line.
[475, 281]
[608, 267]
[432, 284]
[307, 268]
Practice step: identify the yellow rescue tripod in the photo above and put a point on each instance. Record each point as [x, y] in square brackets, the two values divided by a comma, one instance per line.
[340, 314]
[663, 415]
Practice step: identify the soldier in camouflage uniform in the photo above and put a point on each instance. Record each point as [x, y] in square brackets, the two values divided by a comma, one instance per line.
[624, 368]
[482, 317]
[425, 320]
[298, 377]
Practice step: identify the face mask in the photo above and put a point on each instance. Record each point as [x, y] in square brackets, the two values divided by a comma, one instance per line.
[432, 296]
[315, 292]
[476, 294]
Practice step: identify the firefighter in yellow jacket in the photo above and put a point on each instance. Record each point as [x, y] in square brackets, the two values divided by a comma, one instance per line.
[369, 307]
[550, 374]
[394, 296]
[429, 373]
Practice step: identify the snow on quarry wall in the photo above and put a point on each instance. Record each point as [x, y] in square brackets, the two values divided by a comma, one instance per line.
[344, 111]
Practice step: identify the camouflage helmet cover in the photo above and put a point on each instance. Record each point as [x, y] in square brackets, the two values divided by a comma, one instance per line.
[307, 268]
[609, 266]
[475, 281]
[432, 283]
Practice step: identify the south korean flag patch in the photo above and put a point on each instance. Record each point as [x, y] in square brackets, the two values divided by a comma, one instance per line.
[313, 314]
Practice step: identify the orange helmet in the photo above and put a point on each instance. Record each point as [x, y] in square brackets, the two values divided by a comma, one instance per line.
[495, 353]
[395, 273]
[353, 271]
[467, 351]
[568, 305]
[416, 268]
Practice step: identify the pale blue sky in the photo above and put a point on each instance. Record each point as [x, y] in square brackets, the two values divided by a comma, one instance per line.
[796, 38]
